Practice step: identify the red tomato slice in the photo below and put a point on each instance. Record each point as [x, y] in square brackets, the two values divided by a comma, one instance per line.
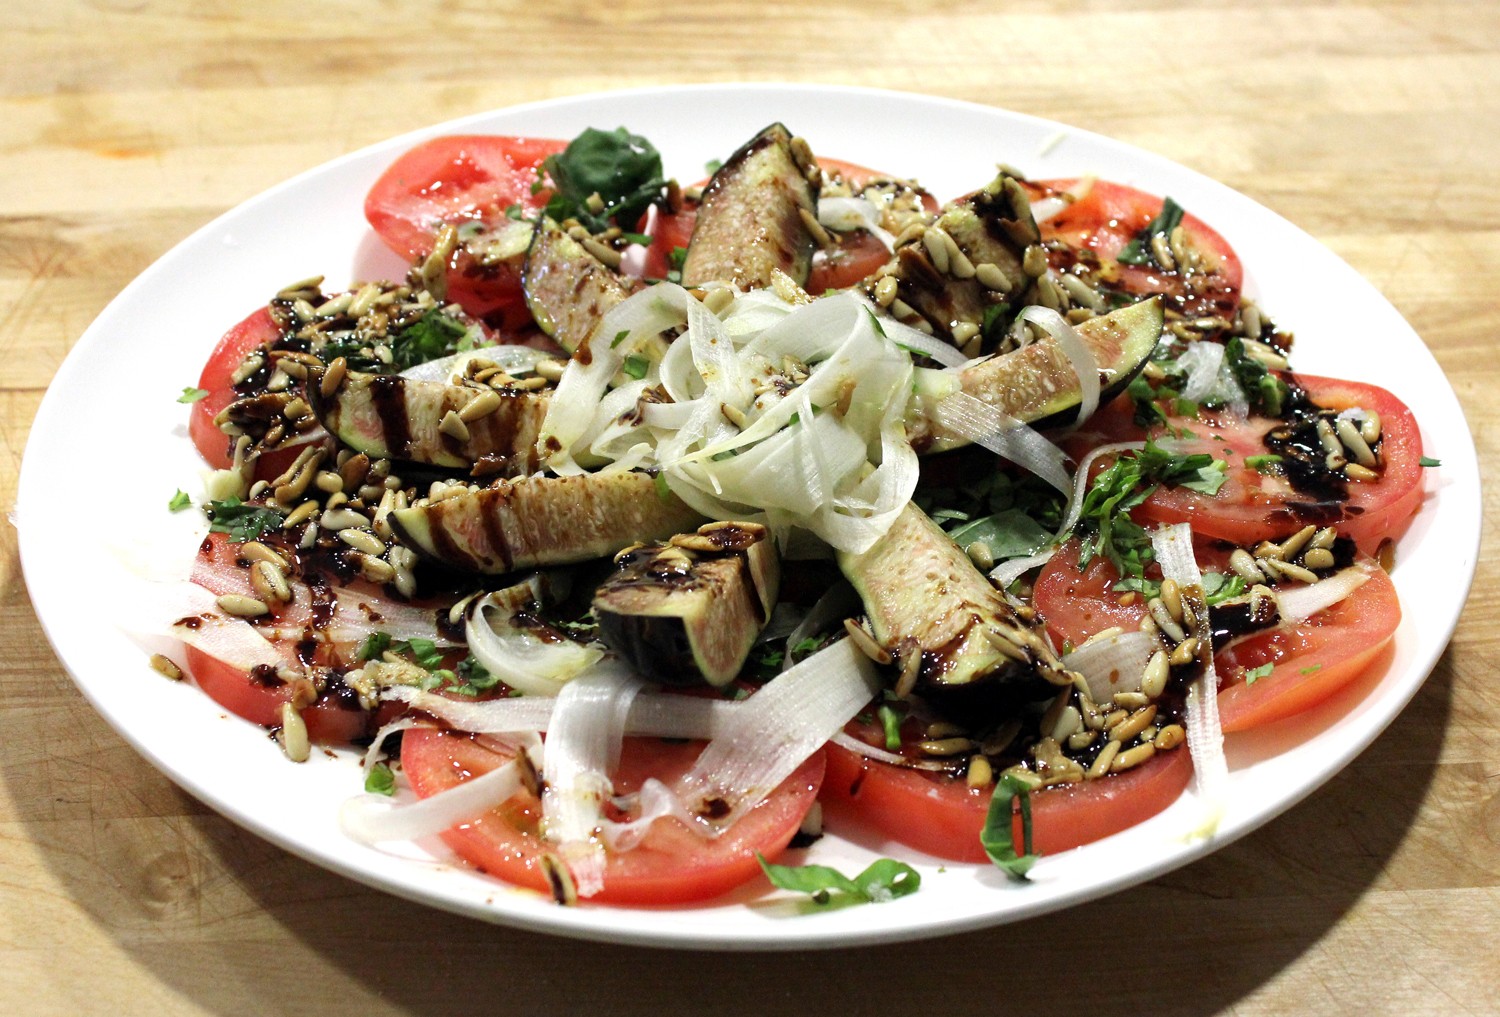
[1252, 506]
[334, 718]
[456, 180]
[1094, 230]
[1311, 660]
[943, 816]
[256, 331]
[671, 865]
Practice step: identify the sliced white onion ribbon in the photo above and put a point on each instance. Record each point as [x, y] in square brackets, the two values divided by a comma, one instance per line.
[1302, 602]
[514, 653]
[581, 751]
[1174, 552]
[652, 714]
[372, 819]
[1114, 663]
[1211, 379]
[847, 214]
[1004, 435]
[1080, 357]
[777, 728]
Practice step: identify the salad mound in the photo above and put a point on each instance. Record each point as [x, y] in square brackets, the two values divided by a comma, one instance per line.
[643, 525]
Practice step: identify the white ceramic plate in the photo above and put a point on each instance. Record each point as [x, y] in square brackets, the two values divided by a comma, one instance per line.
[125, 373]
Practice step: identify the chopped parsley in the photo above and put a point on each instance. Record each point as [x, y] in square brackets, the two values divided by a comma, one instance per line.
[1264, 390]
[240, 521]
[192, 395]
[884, 879]
[179, 501]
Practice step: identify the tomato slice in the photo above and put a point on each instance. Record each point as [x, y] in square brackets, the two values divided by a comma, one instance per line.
[1252, 506]
[256, 331]
[1094, 229]
[943, 816]
[1311, 660]
[334, 718]
[671, 865]
[459, 179]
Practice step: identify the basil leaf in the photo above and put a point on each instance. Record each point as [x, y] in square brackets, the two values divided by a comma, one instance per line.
[1008, 534]
[179, 501]
[430, 337]
[624, 169]
[375, 644]
[635, 366]
[1138, 251]
[998, 835]
[884, 879]
[1254, 674]
[1429, 462]
[423, 651]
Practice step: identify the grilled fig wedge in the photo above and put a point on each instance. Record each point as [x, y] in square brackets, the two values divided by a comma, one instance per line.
[688, 611]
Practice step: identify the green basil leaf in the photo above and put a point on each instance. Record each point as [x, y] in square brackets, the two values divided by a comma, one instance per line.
[998, 835]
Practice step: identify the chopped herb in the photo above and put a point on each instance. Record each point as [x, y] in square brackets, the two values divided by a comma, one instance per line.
[620, 337]
[663, 491]
[806, 646]
[1254, 674]
[1268, 464]
[637, 238]
[636, 366]
[470, 678]
[1128, 482]
[1138, 251]
[514, 211]
[1310, 670]
[1264, 390]
[676, 257]
[996, 320]
[179, 501]
[623, 169]
[374, 645]
[885, 879]
[1429, 462]
[430, 337]
[242, 522]
[380, 780]
[423, 651]
[890, 720]
[192, 395]
[998, 835]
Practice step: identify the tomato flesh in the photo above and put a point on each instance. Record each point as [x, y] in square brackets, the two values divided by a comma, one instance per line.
[459, 179]
[1311, 660]
[1252, 506]
[217, 379]
[671, 865]
[943, 816]
[1095, 229]
[332, 719]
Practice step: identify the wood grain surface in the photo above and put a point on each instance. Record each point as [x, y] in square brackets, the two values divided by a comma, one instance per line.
[125, 124]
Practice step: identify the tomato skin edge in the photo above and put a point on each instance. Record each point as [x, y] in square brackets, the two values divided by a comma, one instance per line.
[889, 798]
